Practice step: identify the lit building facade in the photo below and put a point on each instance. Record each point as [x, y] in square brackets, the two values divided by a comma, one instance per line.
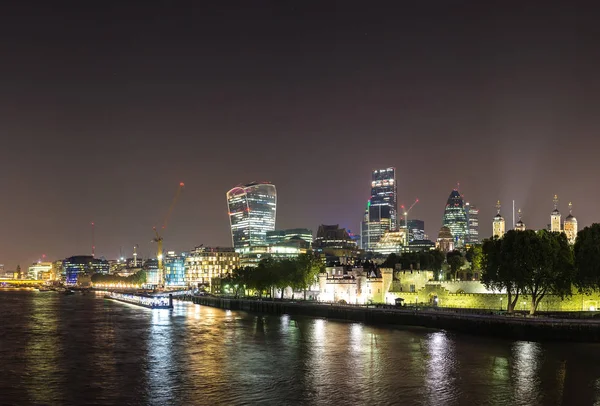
[152, 273]
[498, 224]
[331, 240]
[174, 269]
[381, 214]
[416, 230]
[83, 265]
[203, 264]
[281, 236]
[252, 212]
[455, 218]
[472, 214]
[570, 226]
[392, 242]
[445, 240]
[40, 271]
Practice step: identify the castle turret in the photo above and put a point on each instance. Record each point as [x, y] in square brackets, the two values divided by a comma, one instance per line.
[555, 217]
[520, 226]
[570, 226]
[498, 225]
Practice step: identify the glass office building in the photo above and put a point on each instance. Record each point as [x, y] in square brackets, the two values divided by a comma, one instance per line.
[416, 230]
[472, 214]
[455, 218]
[174, 269]
[79, 265]
[252, 210]
[381, 214]
[281, 236]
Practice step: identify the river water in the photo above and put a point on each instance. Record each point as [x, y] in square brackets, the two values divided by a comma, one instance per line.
[84, 350]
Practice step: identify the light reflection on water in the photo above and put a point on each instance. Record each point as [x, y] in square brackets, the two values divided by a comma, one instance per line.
[79, 349]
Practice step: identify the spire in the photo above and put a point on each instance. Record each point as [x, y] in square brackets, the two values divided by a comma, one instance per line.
[570, 208]
[555, 200]
[519, 214]
[498, 206]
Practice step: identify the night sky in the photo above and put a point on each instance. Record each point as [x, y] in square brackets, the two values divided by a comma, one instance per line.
[105, 107]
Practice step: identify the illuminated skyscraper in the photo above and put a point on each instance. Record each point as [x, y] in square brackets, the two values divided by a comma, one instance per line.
[381, 214]
[252, 210]
[472, 214]
[455, 218]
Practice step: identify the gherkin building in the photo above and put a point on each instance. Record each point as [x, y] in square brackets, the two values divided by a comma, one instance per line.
[455, 218]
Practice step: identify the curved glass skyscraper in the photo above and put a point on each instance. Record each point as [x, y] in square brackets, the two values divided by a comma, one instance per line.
[252, 209]
[455, 218]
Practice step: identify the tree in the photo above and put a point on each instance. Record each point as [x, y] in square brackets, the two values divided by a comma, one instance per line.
[587, 259]
[455, 261]
[548, 266]
[498, 268]
[475, 256]
[309, 266]
[437, 259]
[391, 261]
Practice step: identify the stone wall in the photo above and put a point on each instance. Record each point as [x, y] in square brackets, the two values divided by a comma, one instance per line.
[407, 278]
[493, 301]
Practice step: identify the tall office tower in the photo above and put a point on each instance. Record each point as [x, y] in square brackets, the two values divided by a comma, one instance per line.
[381, 214]
[416, 230]
[472, 214]
[455, 218]
[498, 224]
[252, 210]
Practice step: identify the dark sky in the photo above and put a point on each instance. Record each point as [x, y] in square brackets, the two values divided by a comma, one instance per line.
[105, 107]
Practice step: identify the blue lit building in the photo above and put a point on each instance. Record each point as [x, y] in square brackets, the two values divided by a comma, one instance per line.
[81, 265]
[455, 218]
[174, 269]
[252, 210]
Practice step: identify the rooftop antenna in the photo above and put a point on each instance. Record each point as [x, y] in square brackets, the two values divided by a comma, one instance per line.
[93, 240]
[513, 214]
[135, 247]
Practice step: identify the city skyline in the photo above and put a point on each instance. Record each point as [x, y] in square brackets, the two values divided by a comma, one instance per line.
[134, 100]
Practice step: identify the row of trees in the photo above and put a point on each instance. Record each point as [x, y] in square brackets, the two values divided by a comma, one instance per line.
[542, 263]
[427, 260]
[298, 273]
[138, 278]
[436, 261]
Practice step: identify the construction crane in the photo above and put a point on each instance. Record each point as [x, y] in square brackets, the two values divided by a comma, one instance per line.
[406, 217]
[158, 239]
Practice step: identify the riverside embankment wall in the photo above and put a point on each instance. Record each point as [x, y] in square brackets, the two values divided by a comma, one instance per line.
[519, 328]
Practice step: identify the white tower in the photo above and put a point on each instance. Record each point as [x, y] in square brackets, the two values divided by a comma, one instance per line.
[498, 225]
[520, 226]
[570, 226]
[555, 217]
